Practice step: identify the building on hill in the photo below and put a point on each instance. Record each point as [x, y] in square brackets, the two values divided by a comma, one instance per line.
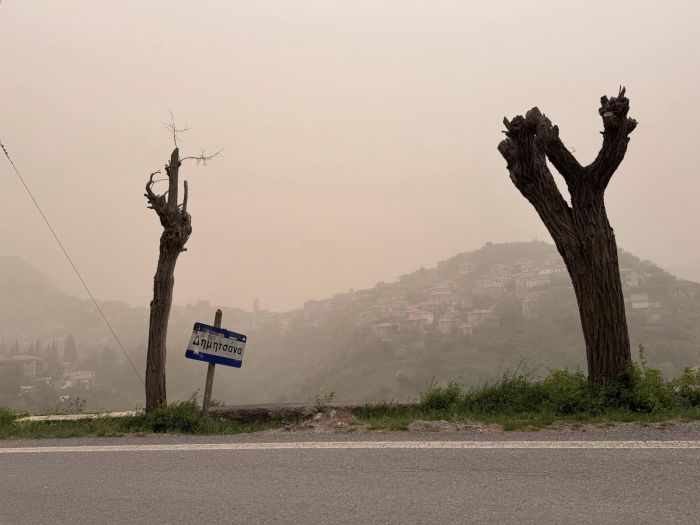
[464, 300]
[492, 288]
[629, 277]
[530, 304]
[29, 367]
[522, 266]
[657, 312]
[386, 331]
[638, 301]
[465, 268]
[499, 271]
[79, 379]
[477, 317]
[466, 329]
[445, 325]
[440, 297]
[417, 321]
[530, 308]
[552, 264]
[524, 283]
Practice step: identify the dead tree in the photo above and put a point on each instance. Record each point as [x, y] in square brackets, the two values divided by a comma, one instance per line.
[177, 227]
[581, 231]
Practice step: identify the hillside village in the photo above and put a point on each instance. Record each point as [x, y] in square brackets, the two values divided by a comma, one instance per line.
[458, 295]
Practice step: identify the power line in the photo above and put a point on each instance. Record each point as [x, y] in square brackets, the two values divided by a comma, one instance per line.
[55, 236]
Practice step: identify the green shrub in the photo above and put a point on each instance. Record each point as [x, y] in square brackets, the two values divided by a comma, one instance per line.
[184, 417]
[441, 398]
[7, 417]
[638, 388]
[566, 393]
[687, 387]
[513, 392]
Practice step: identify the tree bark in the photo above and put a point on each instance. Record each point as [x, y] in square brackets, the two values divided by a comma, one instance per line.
[595, 275]
[581, 232]
[177, 227]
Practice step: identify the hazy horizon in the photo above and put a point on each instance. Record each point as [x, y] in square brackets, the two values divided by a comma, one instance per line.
[359, 139]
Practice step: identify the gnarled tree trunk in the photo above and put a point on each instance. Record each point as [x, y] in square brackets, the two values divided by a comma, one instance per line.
[581, 232]
[177, 227]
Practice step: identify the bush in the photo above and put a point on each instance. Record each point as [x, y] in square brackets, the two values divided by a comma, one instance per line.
[687, 387]
[638, 389]
[513, 392]
[441, 398]
[566, 392]
[184, 417]
[7, 417]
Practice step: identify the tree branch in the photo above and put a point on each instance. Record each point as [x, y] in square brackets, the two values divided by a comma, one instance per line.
[529, 172]
[547, 138]
[172, 128]
[155, 202]
[172, 170]
[202, 157]
[184, 199]
[617, 127]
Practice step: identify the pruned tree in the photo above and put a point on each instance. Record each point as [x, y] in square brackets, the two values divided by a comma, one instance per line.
[581, 231]
[177, 227]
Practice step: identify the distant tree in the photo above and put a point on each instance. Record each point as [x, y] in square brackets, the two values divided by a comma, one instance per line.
[70, 350]
[10, 381]
[177, 227]
[51, 349]
[106, 364]
[14, 349]
[38, 348]
[581, 231]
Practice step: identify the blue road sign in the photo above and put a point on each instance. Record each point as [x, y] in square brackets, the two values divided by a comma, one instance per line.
[216, 345]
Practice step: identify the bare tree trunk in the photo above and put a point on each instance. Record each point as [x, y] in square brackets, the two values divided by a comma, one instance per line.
[163, 284]
[581, 232]
[596, 280]
[177, 227]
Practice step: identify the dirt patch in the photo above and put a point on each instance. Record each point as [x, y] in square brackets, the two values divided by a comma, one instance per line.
[452, 426]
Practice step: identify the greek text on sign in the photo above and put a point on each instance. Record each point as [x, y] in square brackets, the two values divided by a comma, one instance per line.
[216, 345]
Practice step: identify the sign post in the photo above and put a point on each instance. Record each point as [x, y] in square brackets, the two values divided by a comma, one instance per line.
[215, 345]
[209, 385]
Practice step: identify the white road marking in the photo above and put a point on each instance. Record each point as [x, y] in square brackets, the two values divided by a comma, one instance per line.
[75, 417]
[363, 445]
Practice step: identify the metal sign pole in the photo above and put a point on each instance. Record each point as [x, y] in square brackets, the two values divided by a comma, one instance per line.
[210, 373]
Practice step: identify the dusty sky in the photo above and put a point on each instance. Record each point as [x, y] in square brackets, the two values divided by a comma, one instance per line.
[359, 137]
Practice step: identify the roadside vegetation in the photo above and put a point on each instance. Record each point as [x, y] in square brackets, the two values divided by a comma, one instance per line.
[177, 418]
[516, 401]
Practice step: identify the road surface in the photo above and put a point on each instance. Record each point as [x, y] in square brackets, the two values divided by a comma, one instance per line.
[649, 476]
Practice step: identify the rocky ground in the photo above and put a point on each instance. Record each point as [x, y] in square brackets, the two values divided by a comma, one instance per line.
[343, 421]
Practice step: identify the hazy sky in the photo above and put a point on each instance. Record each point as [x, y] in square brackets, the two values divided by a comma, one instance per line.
[359, 136]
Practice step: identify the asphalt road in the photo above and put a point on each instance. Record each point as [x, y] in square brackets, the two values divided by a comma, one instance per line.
[353, 485]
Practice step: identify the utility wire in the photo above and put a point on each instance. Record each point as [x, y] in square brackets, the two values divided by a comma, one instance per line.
[55, 236]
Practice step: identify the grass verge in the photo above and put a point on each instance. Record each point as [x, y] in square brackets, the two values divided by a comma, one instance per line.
[516, 401]
[178, 418]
